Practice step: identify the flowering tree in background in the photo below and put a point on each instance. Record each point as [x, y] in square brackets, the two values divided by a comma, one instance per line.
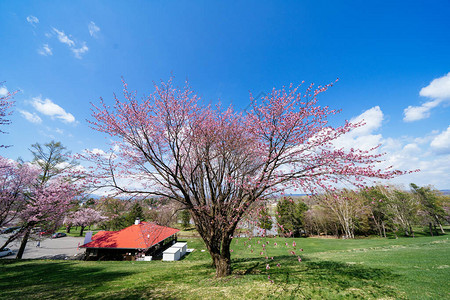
[51, 194]
[25, 194]
[45, 205]
[217, 162]
[14, 180]
[85, 217]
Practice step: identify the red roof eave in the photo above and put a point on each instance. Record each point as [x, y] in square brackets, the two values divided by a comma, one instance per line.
[141, 236]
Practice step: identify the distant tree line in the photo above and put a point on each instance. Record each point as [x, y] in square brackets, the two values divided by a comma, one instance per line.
[378, 210]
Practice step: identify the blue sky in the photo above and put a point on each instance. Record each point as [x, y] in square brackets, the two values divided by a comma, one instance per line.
[392, 59]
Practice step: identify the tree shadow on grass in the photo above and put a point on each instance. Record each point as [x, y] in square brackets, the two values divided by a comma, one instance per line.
[52, 280]
[315, 278]
[355, 271]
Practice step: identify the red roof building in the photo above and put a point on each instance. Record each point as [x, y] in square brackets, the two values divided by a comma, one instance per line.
[143, 237]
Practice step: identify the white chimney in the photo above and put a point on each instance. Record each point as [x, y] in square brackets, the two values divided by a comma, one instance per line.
[137, 221]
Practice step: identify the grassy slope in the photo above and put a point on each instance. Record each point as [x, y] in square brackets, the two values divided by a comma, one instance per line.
[364, 268]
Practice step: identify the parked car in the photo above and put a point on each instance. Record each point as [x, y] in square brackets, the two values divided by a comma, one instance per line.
[6, 252]
[47, 232]
[58, 235]
[10, 229]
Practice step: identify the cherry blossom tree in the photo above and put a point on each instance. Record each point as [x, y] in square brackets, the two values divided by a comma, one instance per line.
[51, 194]
[15, 180]
[28, 203]
[45, 205]
[85, 217]
[217, 162]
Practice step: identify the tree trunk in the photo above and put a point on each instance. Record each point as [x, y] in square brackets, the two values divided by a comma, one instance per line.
[23, 244]
[219, 249]
[222, 265]
[12, 238]
[378, 225]
[410, 230]
[439, 223]
[81, 230]
[221, 257]
[384, 229]
[217, 239]
[431, 229]
[68, 228]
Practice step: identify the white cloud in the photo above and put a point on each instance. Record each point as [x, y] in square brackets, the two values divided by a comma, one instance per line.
[47, 107]
[441, 143]
[415, 113]
[433, 171]
[411, 153]
[3, 91]
[93, 29]
[63, 38]
[403, 153]
[32, 20]
[100, 152]
[411, 148]
[45, 50]
[62, 165]
[438, 90]
[31, 117]
[97, 151]
[80, 51]
[363, 137]
[372, 118]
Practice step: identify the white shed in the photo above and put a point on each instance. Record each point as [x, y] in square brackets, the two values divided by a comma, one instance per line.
[171, 254]
[182, 246]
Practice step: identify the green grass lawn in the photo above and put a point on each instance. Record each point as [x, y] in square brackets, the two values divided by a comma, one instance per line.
[373, 268]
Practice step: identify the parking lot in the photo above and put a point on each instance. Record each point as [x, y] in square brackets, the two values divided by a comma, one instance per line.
[60, 248]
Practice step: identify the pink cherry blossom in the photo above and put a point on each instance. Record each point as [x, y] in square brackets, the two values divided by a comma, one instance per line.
[218, 162]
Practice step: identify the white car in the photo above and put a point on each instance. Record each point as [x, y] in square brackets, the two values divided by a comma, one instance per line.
[6, 252]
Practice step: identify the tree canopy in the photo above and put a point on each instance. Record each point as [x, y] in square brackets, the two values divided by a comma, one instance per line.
[217, 162]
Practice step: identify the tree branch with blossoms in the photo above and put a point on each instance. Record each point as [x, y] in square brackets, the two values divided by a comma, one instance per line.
[217, 162]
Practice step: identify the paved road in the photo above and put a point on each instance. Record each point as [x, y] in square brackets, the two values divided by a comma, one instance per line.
[49, 248]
